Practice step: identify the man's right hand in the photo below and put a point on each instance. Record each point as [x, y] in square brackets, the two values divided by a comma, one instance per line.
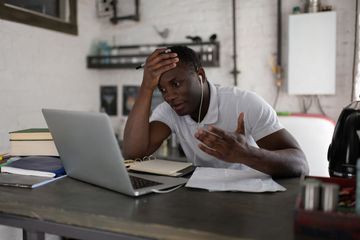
[156, 64]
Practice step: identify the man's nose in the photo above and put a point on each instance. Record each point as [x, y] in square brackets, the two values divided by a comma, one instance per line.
[170, 95]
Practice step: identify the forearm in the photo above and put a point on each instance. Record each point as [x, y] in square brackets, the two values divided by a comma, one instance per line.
[136, 135]
[138, 141]
[290, 162]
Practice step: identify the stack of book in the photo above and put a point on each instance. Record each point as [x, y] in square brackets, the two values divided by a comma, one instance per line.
[33, 159]
[32, 142]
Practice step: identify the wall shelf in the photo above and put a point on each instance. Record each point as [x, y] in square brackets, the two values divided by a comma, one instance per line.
[130, 56]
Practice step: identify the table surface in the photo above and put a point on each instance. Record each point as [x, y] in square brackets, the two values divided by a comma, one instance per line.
[69, 208]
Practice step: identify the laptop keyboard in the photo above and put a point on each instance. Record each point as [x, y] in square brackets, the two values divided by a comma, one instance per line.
[138, 182]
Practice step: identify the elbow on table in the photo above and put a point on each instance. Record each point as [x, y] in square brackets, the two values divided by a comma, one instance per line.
[302, 168]
[131, 152]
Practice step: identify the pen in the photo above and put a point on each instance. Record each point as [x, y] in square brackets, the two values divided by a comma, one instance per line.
[143, 64]
[140, 66]
[4, 157]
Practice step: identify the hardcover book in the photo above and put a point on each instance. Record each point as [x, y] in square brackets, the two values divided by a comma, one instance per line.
[33, 148]
[32, 141]
[31, 134]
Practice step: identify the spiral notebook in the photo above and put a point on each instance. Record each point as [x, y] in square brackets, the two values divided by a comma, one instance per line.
[160, 166]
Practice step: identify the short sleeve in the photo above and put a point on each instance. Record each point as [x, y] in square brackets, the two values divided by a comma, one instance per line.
[261, 118]
[163, 113]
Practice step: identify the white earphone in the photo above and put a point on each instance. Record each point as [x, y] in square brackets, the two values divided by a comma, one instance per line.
[202, 97]
[200, 107]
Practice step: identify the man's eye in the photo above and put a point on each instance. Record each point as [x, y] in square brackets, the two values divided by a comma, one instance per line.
[162, 90]
[176, 84]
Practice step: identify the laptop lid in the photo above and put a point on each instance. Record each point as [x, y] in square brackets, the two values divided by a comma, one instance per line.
[89, 151]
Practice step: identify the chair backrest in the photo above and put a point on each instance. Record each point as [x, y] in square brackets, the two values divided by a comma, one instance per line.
[314, 134]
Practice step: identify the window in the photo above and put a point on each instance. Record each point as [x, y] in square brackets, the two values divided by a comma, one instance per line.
[58, 15]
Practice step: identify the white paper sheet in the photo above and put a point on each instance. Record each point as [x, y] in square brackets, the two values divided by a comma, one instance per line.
[220, 179]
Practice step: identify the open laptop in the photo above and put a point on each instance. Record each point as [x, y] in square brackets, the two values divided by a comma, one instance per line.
[89, 151]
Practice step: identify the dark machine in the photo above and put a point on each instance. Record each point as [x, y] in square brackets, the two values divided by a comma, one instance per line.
[344, 149]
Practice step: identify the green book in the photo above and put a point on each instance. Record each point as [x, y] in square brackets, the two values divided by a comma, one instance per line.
[30, 134]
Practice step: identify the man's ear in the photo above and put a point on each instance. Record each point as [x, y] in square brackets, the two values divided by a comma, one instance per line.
[201, 74]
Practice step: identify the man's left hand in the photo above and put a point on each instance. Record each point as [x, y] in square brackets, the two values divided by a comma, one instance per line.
[227, 146]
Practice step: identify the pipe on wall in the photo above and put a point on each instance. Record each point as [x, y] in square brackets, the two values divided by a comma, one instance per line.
[235, 72]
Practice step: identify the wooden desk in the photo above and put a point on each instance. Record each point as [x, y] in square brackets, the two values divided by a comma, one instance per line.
[75, 209]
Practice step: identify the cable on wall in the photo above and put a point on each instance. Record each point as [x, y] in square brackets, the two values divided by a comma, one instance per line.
[277, 70]
[320, 105]
[356, 51]
[235, 70]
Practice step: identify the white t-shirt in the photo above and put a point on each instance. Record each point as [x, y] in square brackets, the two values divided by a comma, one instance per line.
[226, 103]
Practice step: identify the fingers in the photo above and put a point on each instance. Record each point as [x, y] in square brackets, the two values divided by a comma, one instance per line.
[240, 124]
[156, 53]
[161, 60]
[164, 66]
[217, 131]
[213, 138]
[210, 151]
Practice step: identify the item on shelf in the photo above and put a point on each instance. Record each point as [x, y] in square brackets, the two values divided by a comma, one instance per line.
[104, 50]
[296, 10]
[130, 56]
[195, 39]
[326, 8]
[312, 6]
[213, 37]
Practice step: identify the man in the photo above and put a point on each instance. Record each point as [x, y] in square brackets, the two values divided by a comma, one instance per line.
[221, 127]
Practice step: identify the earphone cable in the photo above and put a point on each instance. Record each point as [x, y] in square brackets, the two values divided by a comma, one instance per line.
[199, 115]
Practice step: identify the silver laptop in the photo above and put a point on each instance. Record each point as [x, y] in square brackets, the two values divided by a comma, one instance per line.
[89, 151]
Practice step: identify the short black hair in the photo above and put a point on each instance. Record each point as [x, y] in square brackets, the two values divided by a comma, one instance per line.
[187, 56]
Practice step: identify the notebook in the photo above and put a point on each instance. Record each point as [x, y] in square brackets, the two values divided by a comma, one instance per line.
[89, 152]
[161, 167]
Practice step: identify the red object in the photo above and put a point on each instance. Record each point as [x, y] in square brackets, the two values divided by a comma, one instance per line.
[324, 225]
[313, 115]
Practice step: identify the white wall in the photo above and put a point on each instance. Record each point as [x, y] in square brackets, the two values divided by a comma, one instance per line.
[43, 68]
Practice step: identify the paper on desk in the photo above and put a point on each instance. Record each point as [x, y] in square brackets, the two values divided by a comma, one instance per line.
[221, 179]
